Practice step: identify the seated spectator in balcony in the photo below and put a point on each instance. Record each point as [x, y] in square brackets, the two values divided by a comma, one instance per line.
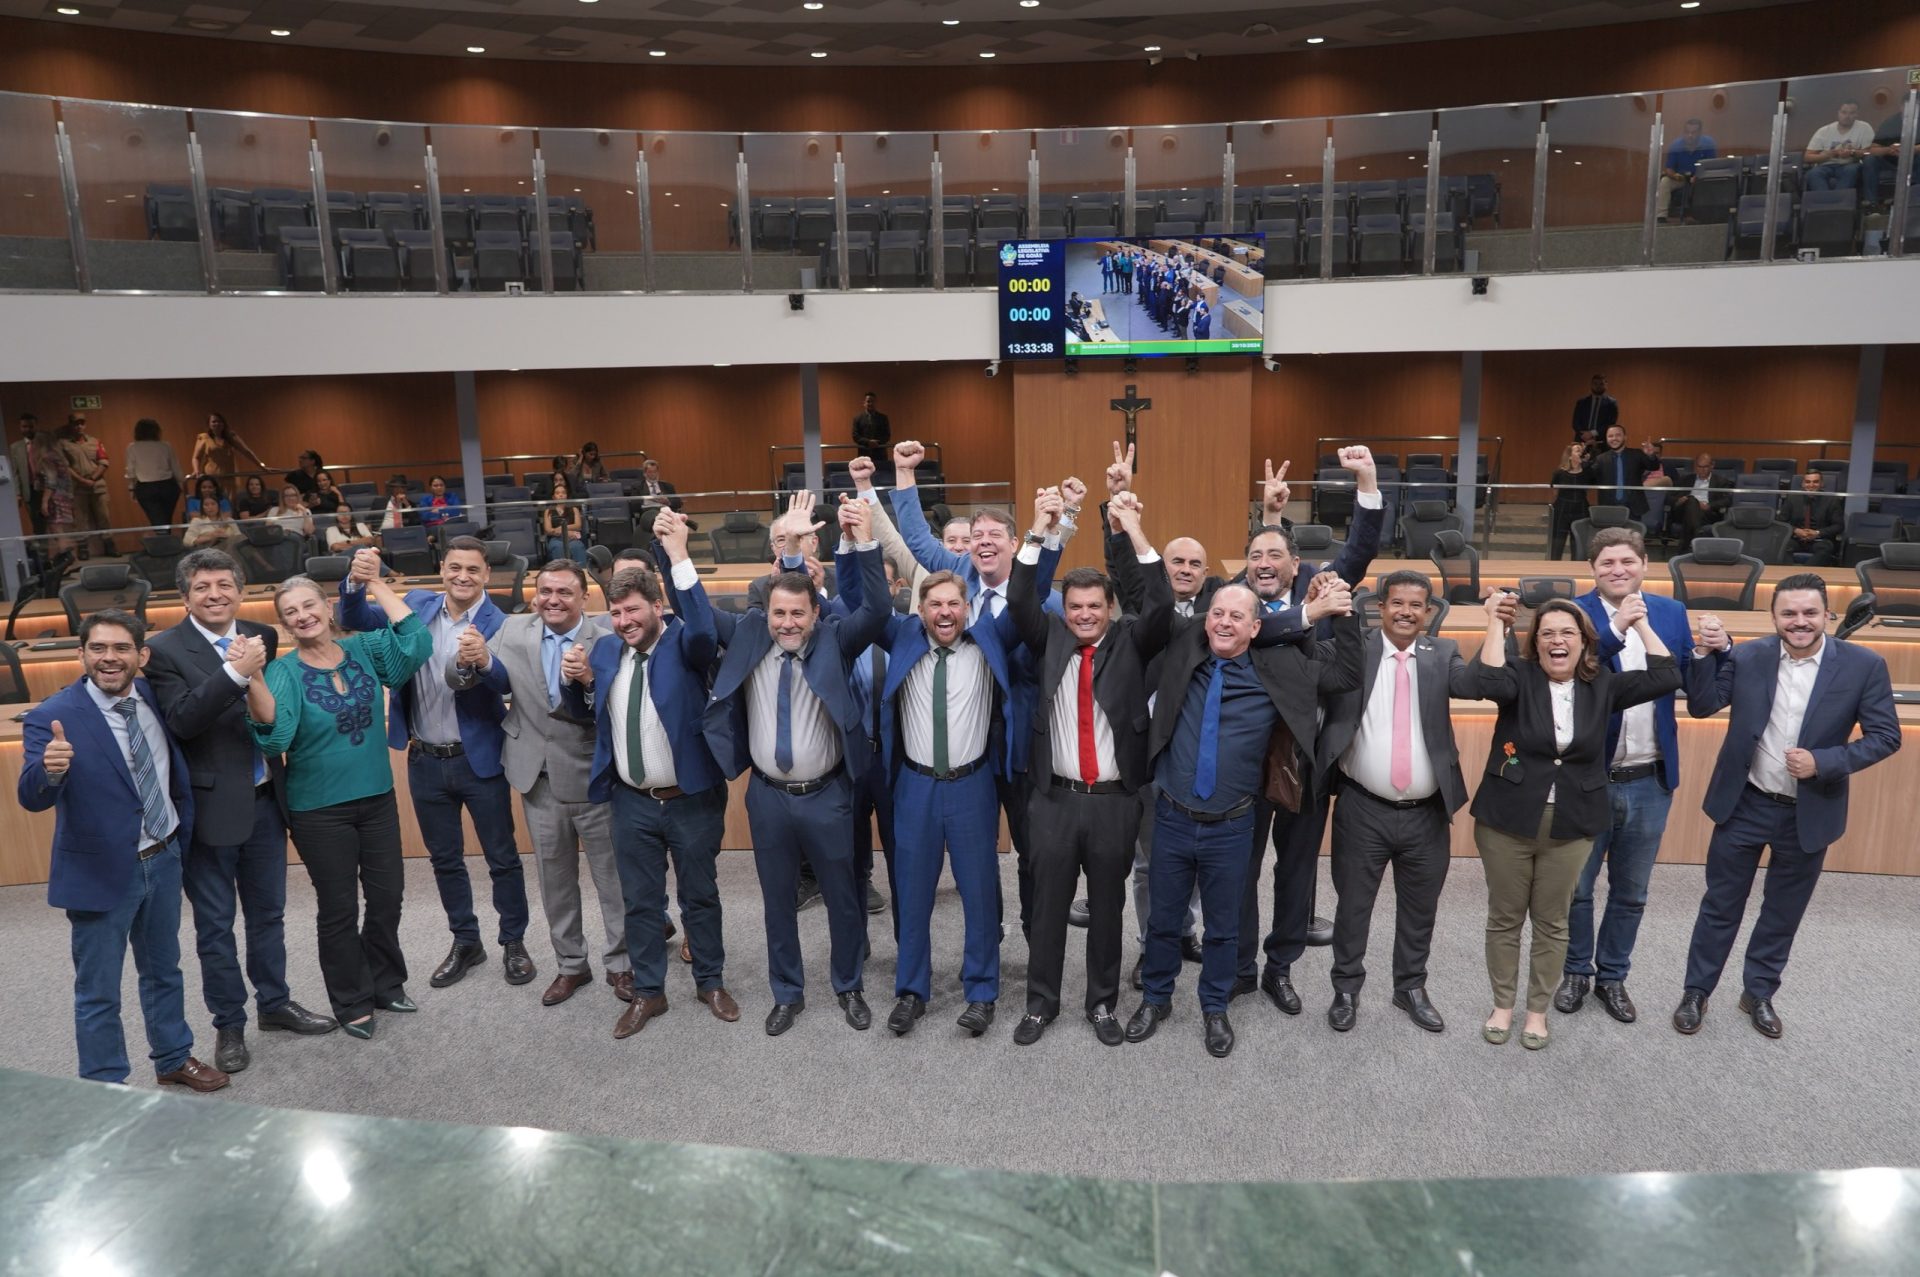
[307, 477]
[400, 511]
[658, 491]
[1703, 502]
[1882, 165]
[1817, 518]
[1569, 498]
[1683, 157]
[1593, 413]
[562, 470]
[1619, 473]
[217, 450]
[442, 505]
[1835, 151]
[254, 501]
[210, 525]
[206, 491]
[347, 533]
[292, 513]
[153, 473]
[325, 498]
[588, 469]
[562, 527]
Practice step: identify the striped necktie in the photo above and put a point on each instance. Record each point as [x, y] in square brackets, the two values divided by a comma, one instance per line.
[146, 777]
[259, 763]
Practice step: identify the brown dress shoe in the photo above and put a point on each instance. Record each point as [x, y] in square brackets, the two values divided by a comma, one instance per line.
[721, 1003]
[563, 987]
[686, 951]
[638, 1012]
[195, 1076]
[621, 982]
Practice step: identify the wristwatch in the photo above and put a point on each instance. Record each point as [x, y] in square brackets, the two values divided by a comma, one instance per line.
[1034, 538]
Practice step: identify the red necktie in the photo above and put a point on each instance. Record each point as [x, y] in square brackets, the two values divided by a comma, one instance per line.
[1089, 753]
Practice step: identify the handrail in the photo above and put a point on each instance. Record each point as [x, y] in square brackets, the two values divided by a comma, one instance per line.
[1822, 444]
[1493, 467]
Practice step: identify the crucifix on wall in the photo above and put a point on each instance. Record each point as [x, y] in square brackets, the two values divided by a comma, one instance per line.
[1133, 406]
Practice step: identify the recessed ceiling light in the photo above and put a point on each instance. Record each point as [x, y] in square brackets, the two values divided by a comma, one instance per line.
[656, 53]
[949, 22]
[71, 13]
[280, 31]
[818, 53]
[1029, 4]
[561, 53]
[1316, 39]
[1152, 48]
[986, 53]
[207, 24]
[813, 4]
[1690, 4]
[476, 48]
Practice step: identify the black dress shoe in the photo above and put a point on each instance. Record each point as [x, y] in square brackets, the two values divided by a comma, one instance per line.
[908, 1009]
[781, 1018]
[459, 959]
[1613, 996]
[1106, 1027]
[1134, 979]
[1421, 1011]
[1571, 993]
[1028, 1031]
[230, 1053]
[1765, 1018]
[976, 1018]
[1219, 1035]
[398, 1002]
[1692, 1009]
[1242, 986]
[1190, 950]
[1146, 1020]
[294, 1018]
[1342, 1013]
[1278, 987]
[876, 903]
[808, 892]
[858, 1013]
[1079, 913]
[516, 962]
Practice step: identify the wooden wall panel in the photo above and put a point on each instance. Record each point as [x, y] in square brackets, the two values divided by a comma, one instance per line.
[1320, 396]
[87, 60]
[1192, 445]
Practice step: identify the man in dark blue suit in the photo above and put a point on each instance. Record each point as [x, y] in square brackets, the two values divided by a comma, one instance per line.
[783, 707]
[1280, 579]
[1780, 782]
[1643, 770]
[98, 752]
[447, 719]
[645, 686]
[237, 847]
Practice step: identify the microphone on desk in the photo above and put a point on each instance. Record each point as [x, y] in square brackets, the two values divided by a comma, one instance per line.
[1860, 613]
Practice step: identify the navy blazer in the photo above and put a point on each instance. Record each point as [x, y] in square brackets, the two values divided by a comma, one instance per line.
[478, 707]
[96, 830]
[1668, 617]
[1851, 687]
[840, 637]
[677, 685]
[206, 713]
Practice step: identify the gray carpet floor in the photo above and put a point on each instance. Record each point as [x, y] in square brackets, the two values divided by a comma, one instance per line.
[1295, 1100]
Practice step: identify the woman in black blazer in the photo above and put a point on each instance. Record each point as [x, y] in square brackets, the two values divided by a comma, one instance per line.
[1544, 795]
[1571, 483]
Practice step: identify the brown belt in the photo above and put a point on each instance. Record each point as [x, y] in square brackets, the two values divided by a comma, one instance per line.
[148, 853]
[659, 794]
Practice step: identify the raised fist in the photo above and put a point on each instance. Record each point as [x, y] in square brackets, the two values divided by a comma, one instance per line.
[907, 455]
[860, 470]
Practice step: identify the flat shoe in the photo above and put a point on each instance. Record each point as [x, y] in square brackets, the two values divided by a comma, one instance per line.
[1498, 1037]
[1534, 1041]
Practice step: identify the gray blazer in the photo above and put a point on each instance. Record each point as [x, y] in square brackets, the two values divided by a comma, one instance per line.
[1442, 674]
[540, 739]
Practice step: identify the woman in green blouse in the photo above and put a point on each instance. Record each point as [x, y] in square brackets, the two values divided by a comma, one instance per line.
[324, 707]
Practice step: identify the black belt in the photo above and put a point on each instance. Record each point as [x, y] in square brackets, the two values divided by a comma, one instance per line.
[148, 853]
[1639, 771]
[1234, 812]
[659, 793]
[417, 746]
[1090, 787]
[957, 773]
[1398, 804]
[1785, 800]
[798, 788]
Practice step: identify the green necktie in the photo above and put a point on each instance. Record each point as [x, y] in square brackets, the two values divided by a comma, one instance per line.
[636, 692]
[940, 711]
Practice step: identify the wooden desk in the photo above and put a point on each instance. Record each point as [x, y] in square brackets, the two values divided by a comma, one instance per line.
[1098, 329]
[1241, 320]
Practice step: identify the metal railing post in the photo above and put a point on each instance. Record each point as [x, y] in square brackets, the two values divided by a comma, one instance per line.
[1775, 149]
[643, 192]
[1129, 225]
[1326, 211]
[1428, 259]
[1656, 140]
[937, 226]
[1537, 237]
[323, 218]
[436, 223]
[746, 220]
[841, 258]
[543, 221]
[202, 213]
[70, 191]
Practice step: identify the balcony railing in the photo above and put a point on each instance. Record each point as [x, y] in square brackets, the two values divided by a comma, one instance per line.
[112, 196]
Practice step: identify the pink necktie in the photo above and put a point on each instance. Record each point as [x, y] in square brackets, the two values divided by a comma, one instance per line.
[1401, 773]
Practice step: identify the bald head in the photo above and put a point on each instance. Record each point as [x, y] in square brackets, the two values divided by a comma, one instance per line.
[1186, 561]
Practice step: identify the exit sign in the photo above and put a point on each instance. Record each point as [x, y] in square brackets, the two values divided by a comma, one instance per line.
[1913, 76]
[84, 403]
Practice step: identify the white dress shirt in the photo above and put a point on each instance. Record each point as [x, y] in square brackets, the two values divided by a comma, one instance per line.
[1369, 759]
[1562, 697]
[969, 705]
[157, 749]
[1791, 694]
[815, 739]
[1637, 744]
[214, 641]
[654, 745]
[1063, 725]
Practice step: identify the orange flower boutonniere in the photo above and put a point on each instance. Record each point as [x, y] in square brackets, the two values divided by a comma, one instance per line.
[1508, 749]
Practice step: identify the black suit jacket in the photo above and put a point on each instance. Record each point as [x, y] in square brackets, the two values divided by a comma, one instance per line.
[1828, 512]
[1586, 417]
[207, 712]
[1119, 666]
[1638, 466]
[1719, 493]
[1513, 793]
[1441, 673]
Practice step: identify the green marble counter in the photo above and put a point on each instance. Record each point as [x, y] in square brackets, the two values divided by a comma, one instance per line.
[98, 1180]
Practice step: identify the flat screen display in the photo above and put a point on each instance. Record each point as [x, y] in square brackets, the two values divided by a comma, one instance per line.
[1140, 297]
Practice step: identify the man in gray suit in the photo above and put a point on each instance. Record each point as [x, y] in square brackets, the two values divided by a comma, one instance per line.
[1389, 745]
[547, 757]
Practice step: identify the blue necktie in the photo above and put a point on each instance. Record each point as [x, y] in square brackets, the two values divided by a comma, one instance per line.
[146, 777]
[550, 657]
[259, 763]
[1208, 761]
[783, 718]
[1619, 479]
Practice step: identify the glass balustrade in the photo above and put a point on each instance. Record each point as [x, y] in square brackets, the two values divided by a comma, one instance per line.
[488, 214]
[1597, 196]
[697, 230]
[889, 209]
[796, 218]
[982, 168]
[1277, 169]
[1379, 194]
[260, 194]
[593, 209]
[135, 183]
[35, 252]
[1710, 196]
[1484, 206]
[378, 206]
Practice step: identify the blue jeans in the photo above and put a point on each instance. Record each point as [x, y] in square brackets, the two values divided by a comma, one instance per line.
[148, 918]
[645, 832]
[220, 882]
[1213, 855]
[1835, 175]
[1628, 846]
[441, 787]
[557, 548]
